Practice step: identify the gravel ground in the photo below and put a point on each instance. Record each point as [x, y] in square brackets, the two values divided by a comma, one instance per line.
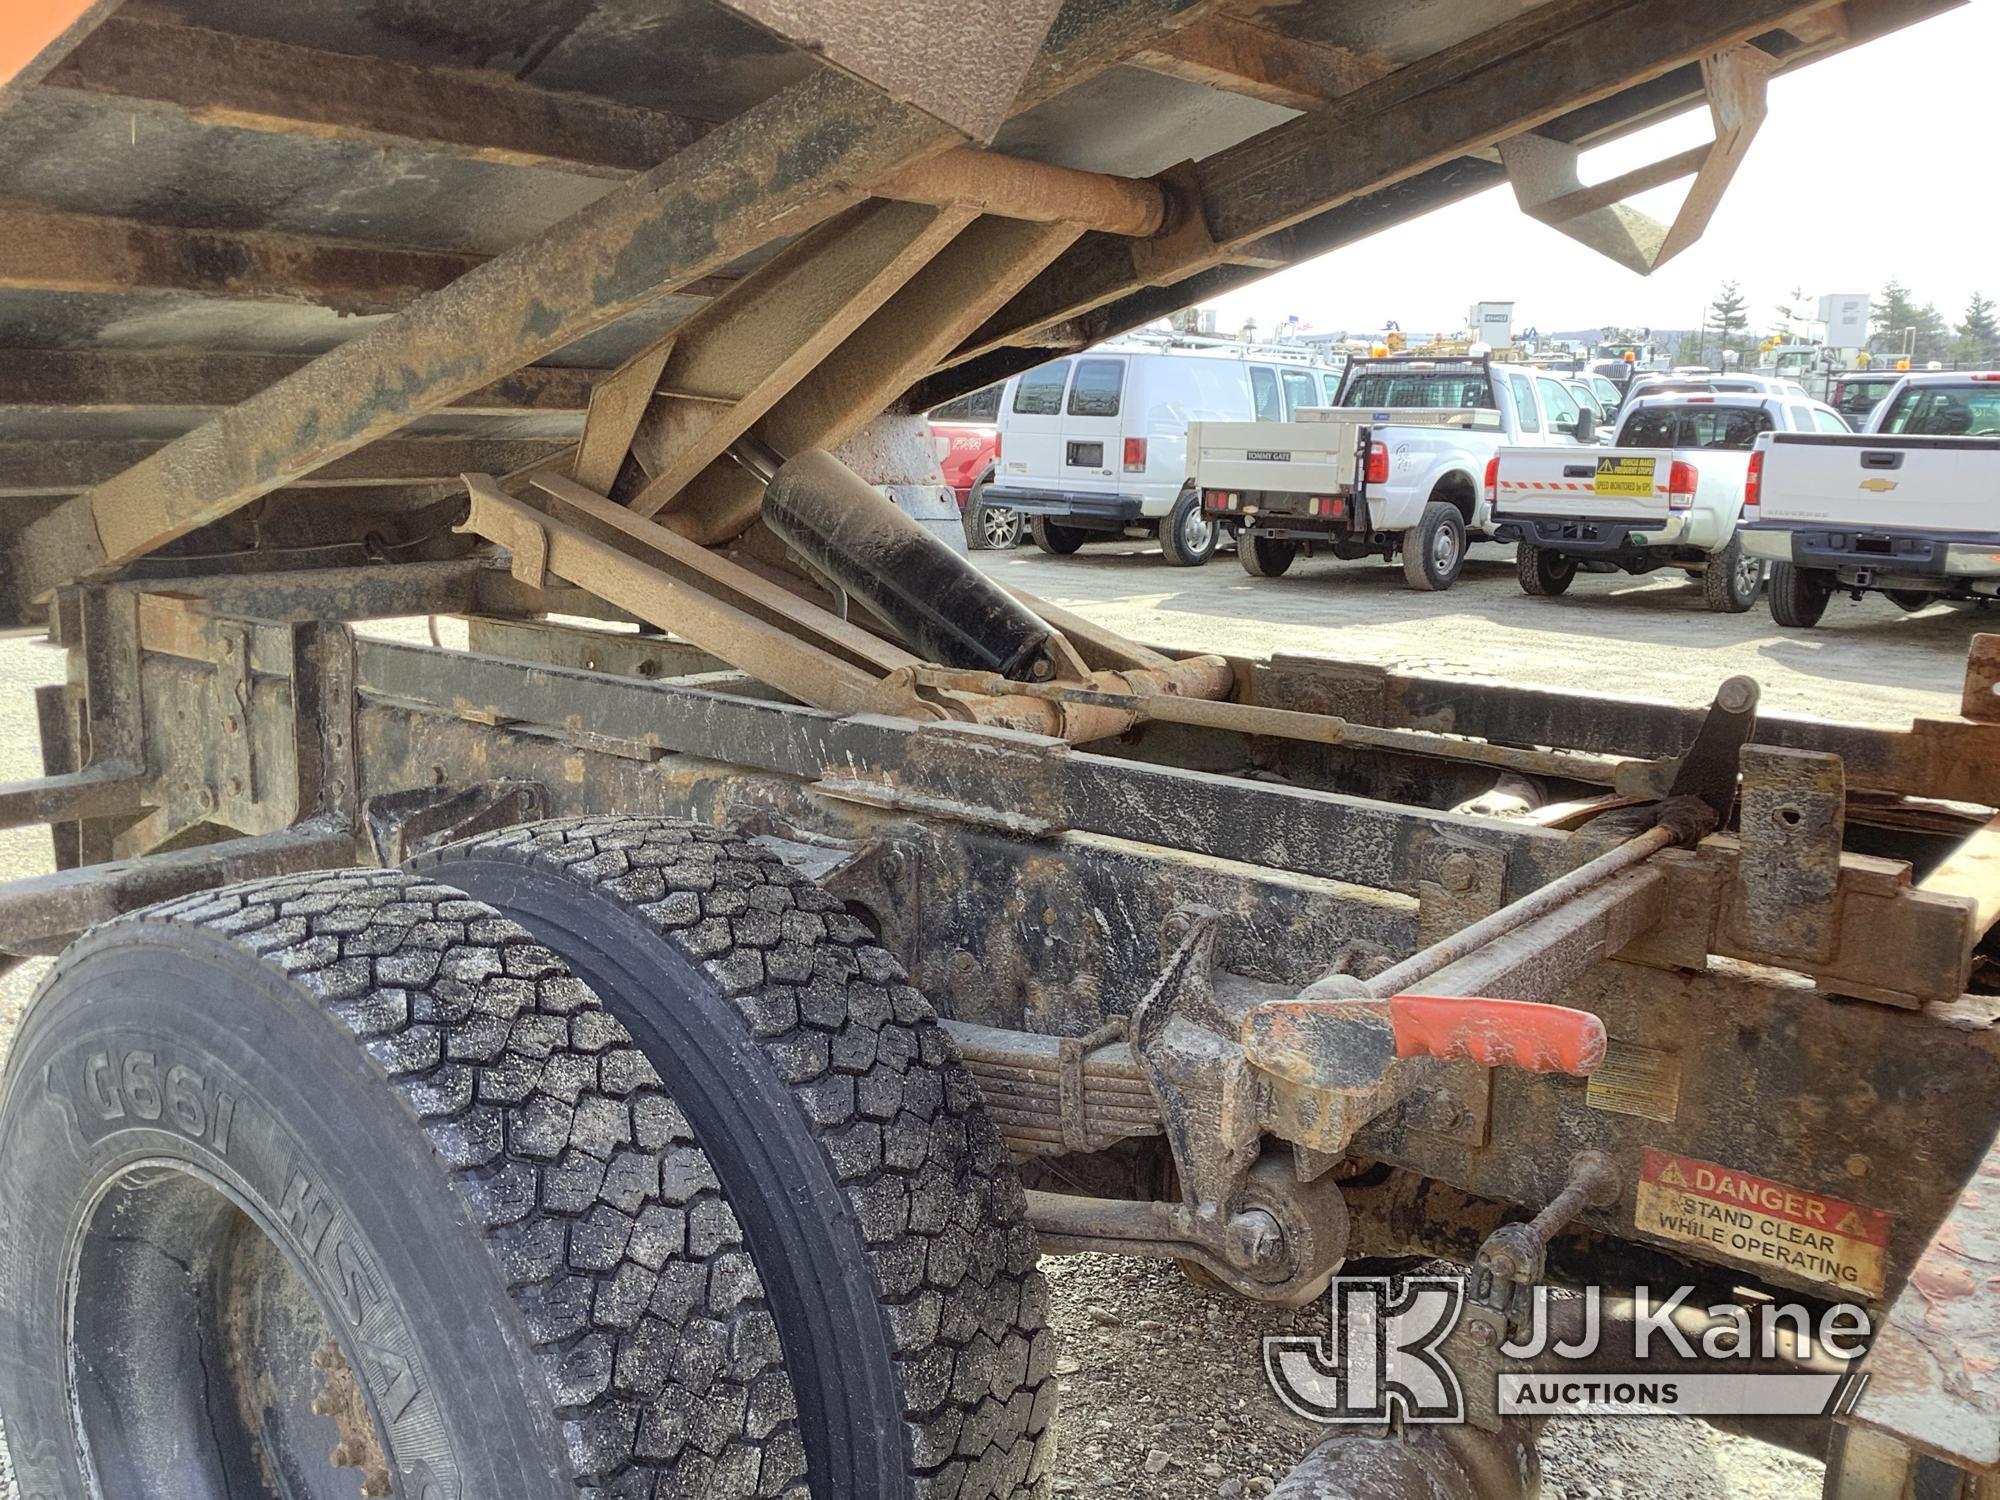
[1162, 1398]
[1162, 1392]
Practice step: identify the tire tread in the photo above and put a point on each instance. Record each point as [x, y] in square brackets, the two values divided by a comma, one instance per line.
[607, 1226]
[881, 1087]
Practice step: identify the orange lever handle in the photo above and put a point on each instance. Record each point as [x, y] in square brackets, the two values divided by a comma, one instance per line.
[1497, 1033]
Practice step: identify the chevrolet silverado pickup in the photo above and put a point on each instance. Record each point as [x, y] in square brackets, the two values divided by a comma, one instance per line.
[1909, 509]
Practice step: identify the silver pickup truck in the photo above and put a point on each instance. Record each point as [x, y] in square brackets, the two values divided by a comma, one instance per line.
[1909, 509]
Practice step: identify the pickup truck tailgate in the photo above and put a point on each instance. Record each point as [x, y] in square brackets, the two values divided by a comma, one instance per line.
[1594, 484]
[1878, 483]
[1301, 457]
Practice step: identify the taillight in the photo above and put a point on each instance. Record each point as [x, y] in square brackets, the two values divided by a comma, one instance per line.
[1753, 483]
[1135, 455]
[1681, 482]
[996, 447]
[1492, 478]
[1378, 463]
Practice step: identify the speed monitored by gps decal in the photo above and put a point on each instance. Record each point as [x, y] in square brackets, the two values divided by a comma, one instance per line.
[1626, 477]
[1763, 1223]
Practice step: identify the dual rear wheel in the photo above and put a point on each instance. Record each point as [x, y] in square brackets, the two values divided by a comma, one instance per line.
[602, 1157]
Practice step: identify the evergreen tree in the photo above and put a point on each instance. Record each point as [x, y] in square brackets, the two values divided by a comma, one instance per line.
[1978, 335]
[1893, 315]
[1933, 336]
[1729, 316]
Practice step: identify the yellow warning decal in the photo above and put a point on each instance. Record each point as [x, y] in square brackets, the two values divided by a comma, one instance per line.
[1629, 478]
[1766, 1224]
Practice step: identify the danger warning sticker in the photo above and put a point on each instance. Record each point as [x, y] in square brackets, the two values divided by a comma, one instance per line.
[1763, 1223]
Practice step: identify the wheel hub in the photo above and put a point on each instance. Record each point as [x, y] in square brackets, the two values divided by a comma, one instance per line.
[199, 1348]
[1444, 547]
[1196, 532]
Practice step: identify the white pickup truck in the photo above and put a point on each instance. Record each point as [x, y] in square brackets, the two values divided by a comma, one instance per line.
[1666, 494]
[1909, 509]
[1393, 467]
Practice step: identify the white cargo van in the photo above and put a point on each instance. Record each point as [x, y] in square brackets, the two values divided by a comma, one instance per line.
[1095, 445]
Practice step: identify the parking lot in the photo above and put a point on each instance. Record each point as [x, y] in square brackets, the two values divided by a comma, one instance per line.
[1645, 637]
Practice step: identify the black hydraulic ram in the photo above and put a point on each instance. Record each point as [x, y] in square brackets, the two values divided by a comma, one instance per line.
[947, 609]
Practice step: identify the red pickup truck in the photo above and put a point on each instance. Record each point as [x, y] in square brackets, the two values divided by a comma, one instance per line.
[967, 435]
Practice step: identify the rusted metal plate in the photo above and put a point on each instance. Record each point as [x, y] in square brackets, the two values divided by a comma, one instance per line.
[1794, 823]
[894, 44]
[1934, 1370]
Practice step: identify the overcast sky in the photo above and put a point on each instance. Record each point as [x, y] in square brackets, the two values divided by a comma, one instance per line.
[1872, 164]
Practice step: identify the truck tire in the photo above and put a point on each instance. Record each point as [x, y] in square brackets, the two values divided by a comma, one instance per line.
[1798, 596]
[989, 528]
[1264, 556]
[1055, 538]
[349, 1185]
[1909, 601]
[1730, 582]
[1434, 548]
[875, 1196]
[1543, 573]
[1187, 537]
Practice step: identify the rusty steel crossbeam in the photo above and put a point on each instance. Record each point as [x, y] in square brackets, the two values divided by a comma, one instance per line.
[724, 368]
[957, 290]
[69, 466]
[147, 62]
[134, 380]
[101, 791]
[46, 250]
[830, 667]
[42, 913]
[1238, 54]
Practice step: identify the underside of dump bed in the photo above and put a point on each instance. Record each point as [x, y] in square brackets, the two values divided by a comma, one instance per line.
[484, 207]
